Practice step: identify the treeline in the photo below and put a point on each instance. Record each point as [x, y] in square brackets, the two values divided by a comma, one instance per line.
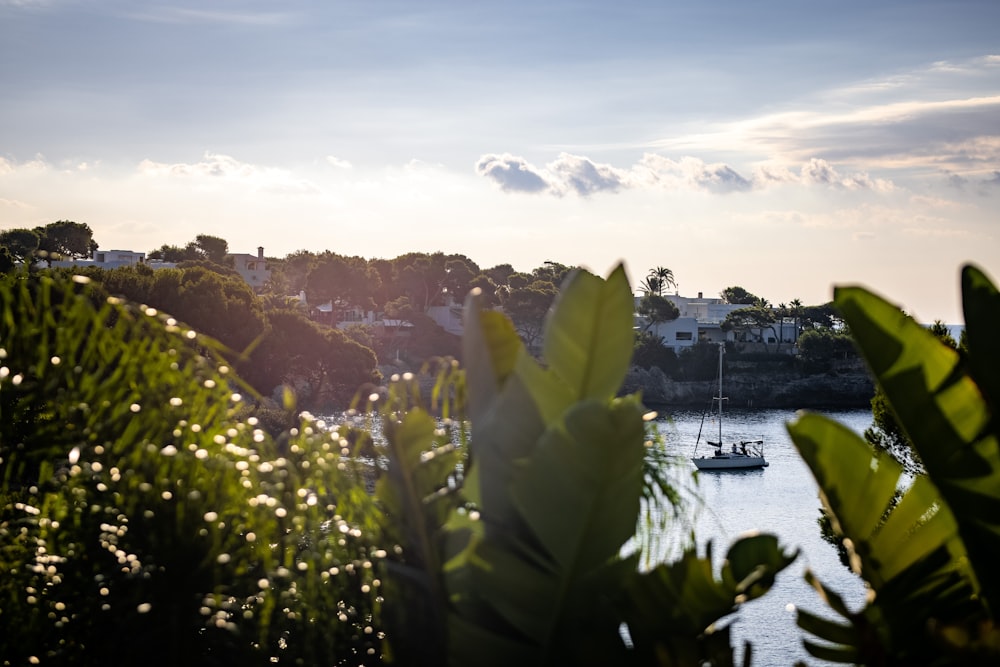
[277, 343]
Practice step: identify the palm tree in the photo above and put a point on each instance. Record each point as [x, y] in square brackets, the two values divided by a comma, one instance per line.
[666, 277]
[651, 285]
[782, 312]
[796, 307]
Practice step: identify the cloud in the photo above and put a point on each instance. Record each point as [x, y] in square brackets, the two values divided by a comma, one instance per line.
[584, 177]
[338, 163]
[820, 171]
[512, 174]
[13, 203]
[688, 173]
[223, 168]
[185, 15]
[941, 116]
[983, 185]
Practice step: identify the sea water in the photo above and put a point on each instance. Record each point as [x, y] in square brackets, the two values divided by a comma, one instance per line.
[781, 499]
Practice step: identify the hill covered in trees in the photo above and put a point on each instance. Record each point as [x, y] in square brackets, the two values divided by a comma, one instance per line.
[324, 323]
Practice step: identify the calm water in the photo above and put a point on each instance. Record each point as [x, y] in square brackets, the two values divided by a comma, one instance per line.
[780, 499]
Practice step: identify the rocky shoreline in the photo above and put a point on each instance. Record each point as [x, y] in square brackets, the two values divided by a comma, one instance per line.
[847, 386]
[835, 389]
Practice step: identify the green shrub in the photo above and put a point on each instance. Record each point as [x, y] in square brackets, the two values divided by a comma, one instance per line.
[152, 526]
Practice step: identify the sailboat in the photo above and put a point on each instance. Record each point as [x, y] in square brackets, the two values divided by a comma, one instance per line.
[742, 455]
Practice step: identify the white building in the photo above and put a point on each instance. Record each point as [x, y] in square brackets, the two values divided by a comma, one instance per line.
[105, 259]
[701, 320]
[253, 268]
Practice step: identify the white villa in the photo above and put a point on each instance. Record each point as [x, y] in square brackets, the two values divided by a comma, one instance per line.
[105, 259]
[253, 268]
[701, 320]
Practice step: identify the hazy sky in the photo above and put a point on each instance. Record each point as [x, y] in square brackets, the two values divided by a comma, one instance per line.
[783, 146]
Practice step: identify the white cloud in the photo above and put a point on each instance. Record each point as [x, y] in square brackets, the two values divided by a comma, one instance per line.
[584, 177]
[338, 163]
[13, 203]
[187, 15]
[227, 169]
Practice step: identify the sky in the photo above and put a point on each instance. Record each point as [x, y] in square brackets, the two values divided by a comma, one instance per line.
[783, 146]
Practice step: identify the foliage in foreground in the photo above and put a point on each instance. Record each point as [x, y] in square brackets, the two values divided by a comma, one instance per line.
[512, 541]
[926, 545]
[150, 521]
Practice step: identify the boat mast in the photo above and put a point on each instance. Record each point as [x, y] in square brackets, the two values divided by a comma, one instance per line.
[722, 349]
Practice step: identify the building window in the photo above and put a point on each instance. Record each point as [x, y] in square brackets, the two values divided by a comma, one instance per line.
[683, 335]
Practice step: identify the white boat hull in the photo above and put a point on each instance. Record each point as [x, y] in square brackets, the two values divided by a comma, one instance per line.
[727, 461]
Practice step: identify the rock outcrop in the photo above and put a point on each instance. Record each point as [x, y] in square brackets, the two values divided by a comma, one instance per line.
[836, 389]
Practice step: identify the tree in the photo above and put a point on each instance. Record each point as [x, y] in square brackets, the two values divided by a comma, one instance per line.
[665, 276]
[699, 362]
[657, 309]
[322, 366]
[289, 275]
[649, 352]
[22, 244]
[174, 254]
[527, 306]
[795, 308]
[552, 272]
[347, 282]
[499, 273]
[460, 272]
[738, 295]
[427, 278]
[750, 322]
[7, 263]
[212, 248]
[651, 285]
[224, 307]
[824, 316]
[820, 348]
[65, 238]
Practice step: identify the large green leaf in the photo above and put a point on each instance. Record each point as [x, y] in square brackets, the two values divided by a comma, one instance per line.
[674, 611]
[943, 413]
[491, 348]
[859, 487]
[576, 501]
[588, 335]
[580, 491]
[981, 305]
